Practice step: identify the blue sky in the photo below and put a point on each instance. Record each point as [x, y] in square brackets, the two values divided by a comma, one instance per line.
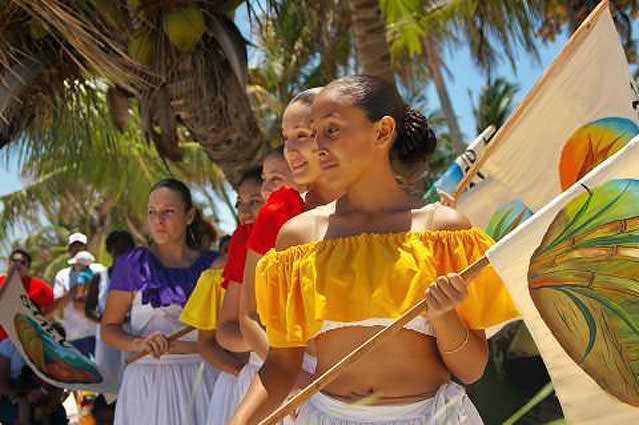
[465, 76]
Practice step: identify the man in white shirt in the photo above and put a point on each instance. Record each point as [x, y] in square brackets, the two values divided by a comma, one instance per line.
[80, 330]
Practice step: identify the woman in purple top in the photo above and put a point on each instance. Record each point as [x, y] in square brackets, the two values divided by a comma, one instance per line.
[153, 284]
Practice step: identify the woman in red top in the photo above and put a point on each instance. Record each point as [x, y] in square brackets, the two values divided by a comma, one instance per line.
[302, 159]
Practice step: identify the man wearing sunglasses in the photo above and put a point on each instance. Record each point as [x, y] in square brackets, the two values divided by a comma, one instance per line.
[37, 289]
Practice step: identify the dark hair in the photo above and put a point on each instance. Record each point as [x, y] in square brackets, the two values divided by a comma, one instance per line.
[306, 97]
[224, 241]
[22, 252]
[414, 140]
[119, 242]
[254, 174]
[194, 231]
[209, 233]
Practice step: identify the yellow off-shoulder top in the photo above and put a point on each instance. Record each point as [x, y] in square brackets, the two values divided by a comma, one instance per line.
[368, 276]
[203, 307]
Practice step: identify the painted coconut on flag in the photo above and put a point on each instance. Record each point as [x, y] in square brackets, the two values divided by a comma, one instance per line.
[52, 359]
[584, 281]
[592, 144]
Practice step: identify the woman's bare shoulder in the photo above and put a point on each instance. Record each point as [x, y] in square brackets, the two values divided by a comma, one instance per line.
[304, 228]
[441, 217]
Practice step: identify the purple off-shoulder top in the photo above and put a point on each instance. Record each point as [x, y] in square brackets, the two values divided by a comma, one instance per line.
[141, 270]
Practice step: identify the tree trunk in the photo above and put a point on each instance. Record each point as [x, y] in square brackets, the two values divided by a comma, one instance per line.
[370, 38]
[433, 61]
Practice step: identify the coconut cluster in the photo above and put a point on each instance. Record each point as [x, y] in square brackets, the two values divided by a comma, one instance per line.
[184, 26]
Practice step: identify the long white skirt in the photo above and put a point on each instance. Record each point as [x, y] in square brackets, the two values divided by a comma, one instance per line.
[225, 399]
[166, 391]
[449, 406]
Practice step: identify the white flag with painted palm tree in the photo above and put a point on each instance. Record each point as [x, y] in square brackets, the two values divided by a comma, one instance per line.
[573, 273]
[581, 111]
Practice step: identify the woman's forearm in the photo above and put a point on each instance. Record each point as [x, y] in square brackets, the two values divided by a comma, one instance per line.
[270, 387]
[254, 334]
[465, 352]
[183, 347]
[113, 335]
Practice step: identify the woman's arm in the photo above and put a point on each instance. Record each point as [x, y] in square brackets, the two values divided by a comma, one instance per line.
[250, 325]
[228, 332]
[271, 386]
[464, 351]
[118, 304]
[217, 356]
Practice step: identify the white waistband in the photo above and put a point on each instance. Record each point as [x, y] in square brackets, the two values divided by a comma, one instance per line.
[419, 324]
[169, 359]
[447, 402]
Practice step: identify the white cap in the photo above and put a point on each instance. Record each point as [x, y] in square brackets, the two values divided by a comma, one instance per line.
[77, 237]
[84, 258]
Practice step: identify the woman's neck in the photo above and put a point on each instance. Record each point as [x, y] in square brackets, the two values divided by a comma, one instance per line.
[377, 191]
[319, 193]
[173, 254]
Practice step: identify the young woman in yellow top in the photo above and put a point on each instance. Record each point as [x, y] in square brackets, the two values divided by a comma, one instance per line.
[203, 309]
[340, 272]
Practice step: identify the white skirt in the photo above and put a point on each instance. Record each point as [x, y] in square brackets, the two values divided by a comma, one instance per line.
[224, 401]
[449, 406]
[167, 391]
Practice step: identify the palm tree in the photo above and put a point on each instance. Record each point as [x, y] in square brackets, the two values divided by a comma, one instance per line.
[571, 13]
[370, 38]
[495, 103]
[183, 62]
[103, 185]
[304, 44]
[419, 31]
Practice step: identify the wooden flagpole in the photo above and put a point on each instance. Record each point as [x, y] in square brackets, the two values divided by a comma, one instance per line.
[564, 56]
[173, 337]
[382, 336]
[485, 136]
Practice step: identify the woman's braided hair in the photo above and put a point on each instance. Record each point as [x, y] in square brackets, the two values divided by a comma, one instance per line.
[414, 139]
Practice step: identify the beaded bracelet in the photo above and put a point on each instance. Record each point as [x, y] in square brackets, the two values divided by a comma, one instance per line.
[460, 346]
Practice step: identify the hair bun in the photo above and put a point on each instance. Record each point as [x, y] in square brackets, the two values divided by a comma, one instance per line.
[416, 138]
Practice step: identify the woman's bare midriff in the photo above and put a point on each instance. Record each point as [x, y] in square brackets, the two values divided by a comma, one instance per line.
[405, 369]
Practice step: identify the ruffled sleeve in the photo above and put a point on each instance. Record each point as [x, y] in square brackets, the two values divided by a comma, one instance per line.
[123, 275]
[281, 206]
[289, 318]
[234, 268]
[488, 302]
[203, 308]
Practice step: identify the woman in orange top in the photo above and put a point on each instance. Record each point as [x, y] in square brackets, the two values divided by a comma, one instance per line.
[340, 272]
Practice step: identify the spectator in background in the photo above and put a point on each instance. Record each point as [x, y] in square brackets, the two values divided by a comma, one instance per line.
[80, 330]
[24, 398]
[109, 359]
[37, 289]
